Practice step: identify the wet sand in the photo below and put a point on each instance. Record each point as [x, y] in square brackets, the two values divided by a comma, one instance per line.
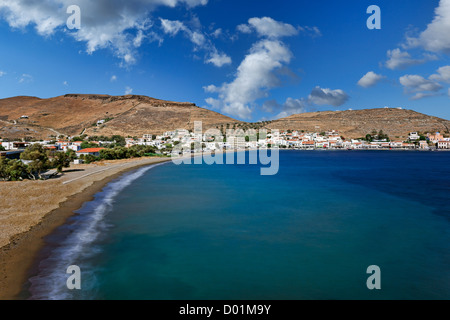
[30, 210]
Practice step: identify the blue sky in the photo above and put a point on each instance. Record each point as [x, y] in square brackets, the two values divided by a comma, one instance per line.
[251, 60]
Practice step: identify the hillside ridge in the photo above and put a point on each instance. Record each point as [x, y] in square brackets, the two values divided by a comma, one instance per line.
[136, 115]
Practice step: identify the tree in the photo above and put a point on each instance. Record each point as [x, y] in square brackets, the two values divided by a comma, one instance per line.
[80, 138]
[60, 160]
[12, 170]
[2, 148]
[107, 154]
[71, 154]
[39, 160]
[120, 141]
[86, 145]
[90, 158]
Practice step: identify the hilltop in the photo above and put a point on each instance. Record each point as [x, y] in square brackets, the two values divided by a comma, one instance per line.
[397, 123]
[136, 115]
[73, 114]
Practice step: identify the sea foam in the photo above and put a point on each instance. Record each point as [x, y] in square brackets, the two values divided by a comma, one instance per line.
[78, 236]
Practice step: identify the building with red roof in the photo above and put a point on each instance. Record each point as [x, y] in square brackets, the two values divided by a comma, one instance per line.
[92, 151]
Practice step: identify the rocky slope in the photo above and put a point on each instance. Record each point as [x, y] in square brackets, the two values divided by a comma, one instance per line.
[397, 123]
[135, 115]
[72, 114]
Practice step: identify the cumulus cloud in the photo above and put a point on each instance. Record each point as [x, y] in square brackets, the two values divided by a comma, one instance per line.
[419, 85]
[217, 33]
[435, 38]
[260, 70]
[398, 59]
[244, 28]
[172, 27]
[211, 89]
[113, 78]
[128, 90]
[421, 95]
[119, 25]
[443, 74]
[370, 79]
[255, 76]
[289, 107]
[268, 27]
[317, 97]
[219, 59]
[199, 40]
[330, 97]
[2, 73]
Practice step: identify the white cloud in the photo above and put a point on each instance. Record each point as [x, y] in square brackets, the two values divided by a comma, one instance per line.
[323, 97]
[119, 25]
[317, 97]
[172, 27]
[255, 76]
[370, 79]
[416, 83]
[200, 41]
[443, 74]
[25, 78]
[113, 78]
[401, 59]
[421, 95]
[211, 89]
[268, 27]
[215, 103]
[436, 36]
[448, 92]
[217, 33]
[289, 107]
[244, 28]
[65, 83]
[137, 41]
[2, 73]
[128, 90]
[197, 38]
[219, 59]
[420, 86]
[312, 31]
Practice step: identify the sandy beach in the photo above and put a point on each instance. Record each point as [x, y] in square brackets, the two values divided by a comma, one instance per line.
[30, 210]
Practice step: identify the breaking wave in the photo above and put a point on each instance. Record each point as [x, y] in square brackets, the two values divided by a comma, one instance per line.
[72, 244]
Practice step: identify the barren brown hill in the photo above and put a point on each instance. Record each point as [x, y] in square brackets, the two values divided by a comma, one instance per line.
[397, 123]
[72, 114]
[134, 115]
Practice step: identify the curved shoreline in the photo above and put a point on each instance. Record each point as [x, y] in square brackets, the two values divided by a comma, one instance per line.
[18, 256]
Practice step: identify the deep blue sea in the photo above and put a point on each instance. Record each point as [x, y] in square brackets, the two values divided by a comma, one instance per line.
[226, 232]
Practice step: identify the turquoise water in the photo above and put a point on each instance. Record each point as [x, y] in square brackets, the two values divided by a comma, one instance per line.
[226, 232]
